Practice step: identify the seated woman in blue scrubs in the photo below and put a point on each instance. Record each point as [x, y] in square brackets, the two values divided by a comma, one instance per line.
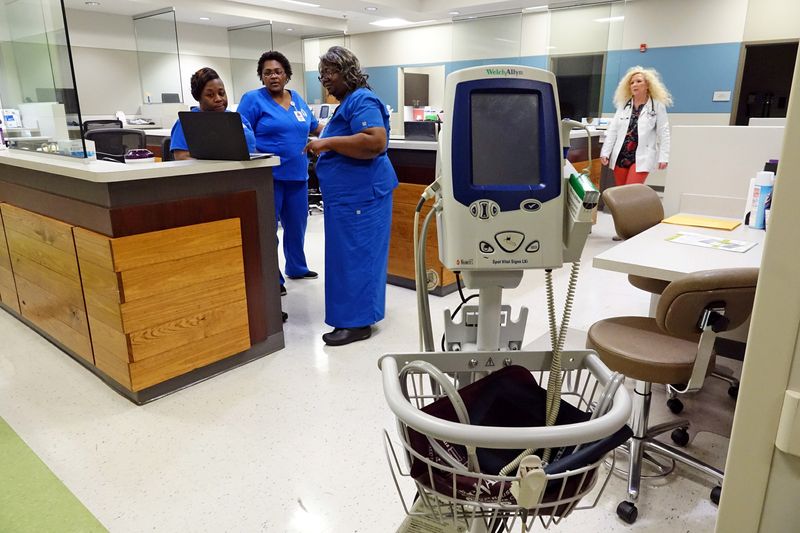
[357, 180]
[209, 91]
[283, 121]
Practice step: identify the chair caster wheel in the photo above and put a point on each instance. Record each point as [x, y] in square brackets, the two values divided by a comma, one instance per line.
[675, 405]
[733, 391]
[680, 437]
[627, 512]
[716, 492]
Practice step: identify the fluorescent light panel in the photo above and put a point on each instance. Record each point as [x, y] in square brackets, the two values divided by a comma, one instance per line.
[610, 19]
[299, 3]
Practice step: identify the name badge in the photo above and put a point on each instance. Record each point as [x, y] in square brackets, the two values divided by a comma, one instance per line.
[300, 117]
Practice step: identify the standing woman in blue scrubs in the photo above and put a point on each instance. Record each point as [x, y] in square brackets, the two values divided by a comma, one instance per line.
[209, 91]
[357, 180]
[282, 122]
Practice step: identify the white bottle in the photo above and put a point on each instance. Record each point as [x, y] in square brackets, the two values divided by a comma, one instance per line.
[763, 188]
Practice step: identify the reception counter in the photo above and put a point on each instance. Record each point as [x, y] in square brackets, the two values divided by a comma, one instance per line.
[153, 276]
[415, 165]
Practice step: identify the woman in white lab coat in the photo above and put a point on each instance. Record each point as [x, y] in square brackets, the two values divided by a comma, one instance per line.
[637, 140]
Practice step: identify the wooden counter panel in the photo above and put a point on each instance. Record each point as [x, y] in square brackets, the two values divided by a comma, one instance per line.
[40, 228]
[186, 302]
[39, 252]
[154, 370]
[162, 277]
[8, 289]
[116, 368]
[154, 247]
[93, 248]
[187, 330]
[138, 219]
[64, 323]
[62, 287]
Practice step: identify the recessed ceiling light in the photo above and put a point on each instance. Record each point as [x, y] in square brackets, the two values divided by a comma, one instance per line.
[204, 18]
[370, 8]
[289, 29]
[536, 8]
[92, 4]
[454, 12]
[610, 19]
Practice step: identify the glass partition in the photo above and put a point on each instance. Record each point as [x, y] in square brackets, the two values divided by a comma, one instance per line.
[157, 53]
[247, 43]
[313, 48]
[485, 40]
[580, 38]
[37, 84]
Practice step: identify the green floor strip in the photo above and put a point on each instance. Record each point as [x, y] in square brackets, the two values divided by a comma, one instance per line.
[32, 498]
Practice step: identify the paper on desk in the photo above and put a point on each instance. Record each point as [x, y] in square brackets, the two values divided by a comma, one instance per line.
[707, 241]
[702, 222]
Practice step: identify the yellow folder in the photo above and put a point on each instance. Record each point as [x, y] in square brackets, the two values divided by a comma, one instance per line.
[702, 222]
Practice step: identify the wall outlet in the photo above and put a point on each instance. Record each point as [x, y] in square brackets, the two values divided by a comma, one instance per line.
[721, 96]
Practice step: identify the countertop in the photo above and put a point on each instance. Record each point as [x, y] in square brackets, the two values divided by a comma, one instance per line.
[109, 172]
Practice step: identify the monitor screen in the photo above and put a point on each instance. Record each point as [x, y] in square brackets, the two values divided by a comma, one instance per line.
[505, 138]
[323, 111]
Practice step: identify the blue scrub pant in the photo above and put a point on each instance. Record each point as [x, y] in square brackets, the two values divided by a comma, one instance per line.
[356, 261]
[291, 210]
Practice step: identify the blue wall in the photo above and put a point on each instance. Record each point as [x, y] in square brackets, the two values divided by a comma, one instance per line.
[691, 73]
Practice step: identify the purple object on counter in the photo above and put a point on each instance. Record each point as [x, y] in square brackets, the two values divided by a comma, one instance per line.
[139, 155]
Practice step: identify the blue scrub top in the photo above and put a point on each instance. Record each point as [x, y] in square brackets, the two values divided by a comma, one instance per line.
[348, 180]
[280, 131]
[178, 139]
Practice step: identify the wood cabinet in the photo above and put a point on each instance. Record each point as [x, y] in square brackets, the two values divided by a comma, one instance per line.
[163, 303]
[45, 269]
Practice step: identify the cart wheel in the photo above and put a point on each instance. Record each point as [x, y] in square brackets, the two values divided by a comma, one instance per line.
[680, 437]
[627, 512]
[733, 391]
[716, 492]
[675, 405]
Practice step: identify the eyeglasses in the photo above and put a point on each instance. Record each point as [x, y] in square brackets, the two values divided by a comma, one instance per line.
[327, 73]
[266, 73]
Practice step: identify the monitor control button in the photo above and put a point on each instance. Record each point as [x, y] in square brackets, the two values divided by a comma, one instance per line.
[533, 247]
[486, 248]
[510, 241]
[530, 205]
[484, 209]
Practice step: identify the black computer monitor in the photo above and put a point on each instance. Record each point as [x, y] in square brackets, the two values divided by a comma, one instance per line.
[170, 98]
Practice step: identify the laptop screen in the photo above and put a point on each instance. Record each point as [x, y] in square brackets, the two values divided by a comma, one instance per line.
[213, 135]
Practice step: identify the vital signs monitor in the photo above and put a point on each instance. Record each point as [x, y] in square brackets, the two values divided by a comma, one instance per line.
[500, 167]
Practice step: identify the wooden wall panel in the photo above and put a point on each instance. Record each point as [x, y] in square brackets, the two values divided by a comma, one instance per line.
[8, 289]
[45, 268]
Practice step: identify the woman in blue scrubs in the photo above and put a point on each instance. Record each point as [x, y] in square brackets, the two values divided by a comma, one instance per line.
[209, 91]
[357, 180]
[283, 121]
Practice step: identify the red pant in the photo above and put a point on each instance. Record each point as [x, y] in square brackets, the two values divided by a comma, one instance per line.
[626, 176]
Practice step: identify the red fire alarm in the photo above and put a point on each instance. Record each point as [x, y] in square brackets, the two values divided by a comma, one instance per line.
[643, 47]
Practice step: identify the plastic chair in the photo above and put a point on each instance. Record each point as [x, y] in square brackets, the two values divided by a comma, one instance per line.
[636, 208]
[113, 143]
[677, 346]
[89, 125]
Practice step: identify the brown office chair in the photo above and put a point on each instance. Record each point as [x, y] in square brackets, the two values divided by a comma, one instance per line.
[635, 208]
[674, 347]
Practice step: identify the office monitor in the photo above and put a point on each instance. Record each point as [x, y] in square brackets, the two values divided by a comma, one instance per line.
[170, 98]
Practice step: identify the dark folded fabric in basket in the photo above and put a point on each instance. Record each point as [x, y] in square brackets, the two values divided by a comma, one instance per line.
[510, 397]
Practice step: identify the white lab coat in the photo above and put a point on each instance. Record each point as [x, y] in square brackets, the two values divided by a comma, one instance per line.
[653, 147]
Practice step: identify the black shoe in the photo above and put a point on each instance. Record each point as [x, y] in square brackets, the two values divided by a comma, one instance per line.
[283, 290]
[308, 275]
[284, 315]
[342, 336]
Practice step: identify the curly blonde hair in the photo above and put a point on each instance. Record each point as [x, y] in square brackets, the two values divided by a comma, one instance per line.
[655, 87]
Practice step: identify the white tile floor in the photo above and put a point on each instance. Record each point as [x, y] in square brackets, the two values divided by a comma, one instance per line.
[291, 442]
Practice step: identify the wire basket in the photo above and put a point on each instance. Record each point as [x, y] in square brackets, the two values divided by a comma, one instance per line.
[437, 452]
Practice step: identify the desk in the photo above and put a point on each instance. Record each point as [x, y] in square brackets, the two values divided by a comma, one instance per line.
[649, 254]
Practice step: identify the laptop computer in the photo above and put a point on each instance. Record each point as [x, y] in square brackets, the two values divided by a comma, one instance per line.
[213, 135]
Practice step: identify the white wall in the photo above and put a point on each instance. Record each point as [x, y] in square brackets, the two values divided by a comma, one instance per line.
[429, 44]
[772, 20]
